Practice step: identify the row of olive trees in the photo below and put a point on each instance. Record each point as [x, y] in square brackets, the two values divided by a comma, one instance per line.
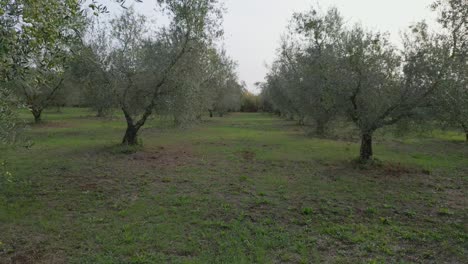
[327, 70]
[176, 71]
[33, 37]
[37, 39]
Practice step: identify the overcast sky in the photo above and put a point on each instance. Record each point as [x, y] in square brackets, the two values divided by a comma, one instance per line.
[253, 27]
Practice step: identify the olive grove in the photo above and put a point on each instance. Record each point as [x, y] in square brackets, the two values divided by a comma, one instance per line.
[176, 71]
[32, 44]
[326, 69]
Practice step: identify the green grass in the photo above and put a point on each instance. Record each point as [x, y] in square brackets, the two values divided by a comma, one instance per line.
[247, 188]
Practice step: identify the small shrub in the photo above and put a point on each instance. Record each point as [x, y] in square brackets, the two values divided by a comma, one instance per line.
[307, 211]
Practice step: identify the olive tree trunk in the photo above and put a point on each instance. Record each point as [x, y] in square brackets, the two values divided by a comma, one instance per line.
[131, 135]
[133, 126]
[366, 151]
[37, 115]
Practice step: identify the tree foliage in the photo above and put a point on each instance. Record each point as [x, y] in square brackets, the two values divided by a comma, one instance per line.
[30, 32]
[326, 69]
[451, 102]
[176, 71]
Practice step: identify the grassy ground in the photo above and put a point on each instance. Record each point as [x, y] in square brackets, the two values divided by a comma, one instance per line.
[248, 188]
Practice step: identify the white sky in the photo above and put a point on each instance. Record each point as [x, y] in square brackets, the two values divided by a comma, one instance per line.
[253, 27]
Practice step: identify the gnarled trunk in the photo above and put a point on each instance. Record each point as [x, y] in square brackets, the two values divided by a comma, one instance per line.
[211, 113]
[37, 115]
[131, 135]
[366, 151]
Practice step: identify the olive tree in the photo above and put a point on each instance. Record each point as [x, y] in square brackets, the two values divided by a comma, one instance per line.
[205, 80]
[195, 79]
[222, 85]
[39, 87]
[28, 28]
[89, 70]
[374, 92]
[281, 86]
[228, 97]
[317, 64]
[327, 69]
[96, 87]
[145, 69]
[306, 75]
[451, 102]
[433, 65]
[48, 34]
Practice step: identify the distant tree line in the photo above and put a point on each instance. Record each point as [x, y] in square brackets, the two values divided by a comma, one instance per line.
[326, 70]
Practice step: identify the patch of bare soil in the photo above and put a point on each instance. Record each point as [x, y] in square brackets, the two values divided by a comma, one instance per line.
[33, 257]
[164, 157]
[89, 187]
[386, 169]
[248, 155]
[397, 169]
[29, 250]
[457, 200]
[25, 258]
